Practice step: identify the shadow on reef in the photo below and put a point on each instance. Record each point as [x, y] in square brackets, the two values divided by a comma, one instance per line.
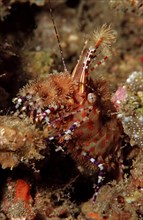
[15, 29]
[20, 21]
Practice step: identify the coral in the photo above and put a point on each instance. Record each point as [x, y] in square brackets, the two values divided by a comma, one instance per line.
[56, 206]
[129, 102]
[37, 63]
[123, 200]
[17, 201]
[19, 204]
[22, 191]
[93, 216]
[18, 145]
[127, 5]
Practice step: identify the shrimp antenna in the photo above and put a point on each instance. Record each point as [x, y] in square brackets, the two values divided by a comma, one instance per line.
[57, 36]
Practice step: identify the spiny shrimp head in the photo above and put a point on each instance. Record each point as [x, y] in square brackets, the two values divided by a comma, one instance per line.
[95, 53]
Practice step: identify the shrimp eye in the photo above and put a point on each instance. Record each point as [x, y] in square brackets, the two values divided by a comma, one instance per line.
[91, 98]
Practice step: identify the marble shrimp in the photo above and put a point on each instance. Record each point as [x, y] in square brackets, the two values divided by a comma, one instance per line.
[74, 111]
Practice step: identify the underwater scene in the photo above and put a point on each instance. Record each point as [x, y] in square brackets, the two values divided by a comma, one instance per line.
[71, 110]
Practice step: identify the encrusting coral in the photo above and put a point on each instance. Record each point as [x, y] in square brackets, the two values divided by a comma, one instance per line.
[129, 102]
[19, 142]
[18, 203]
[123, 200]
